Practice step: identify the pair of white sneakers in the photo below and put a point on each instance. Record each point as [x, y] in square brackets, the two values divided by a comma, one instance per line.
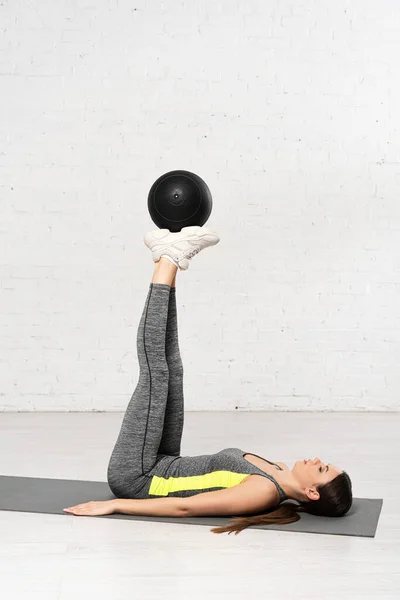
[181, 246]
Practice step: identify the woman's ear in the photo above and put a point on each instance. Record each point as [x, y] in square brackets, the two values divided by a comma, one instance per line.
[312, 494]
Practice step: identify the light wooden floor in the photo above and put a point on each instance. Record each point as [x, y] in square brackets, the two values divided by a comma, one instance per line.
[51, 557]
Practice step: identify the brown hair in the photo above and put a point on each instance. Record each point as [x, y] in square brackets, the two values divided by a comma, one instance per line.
[335, 500]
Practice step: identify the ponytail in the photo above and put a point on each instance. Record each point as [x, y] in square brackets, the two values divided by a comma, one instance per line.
[285, 514]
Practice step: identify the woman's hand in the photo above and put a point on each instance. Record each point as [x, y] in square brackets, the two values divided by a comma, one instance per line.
[91, 509]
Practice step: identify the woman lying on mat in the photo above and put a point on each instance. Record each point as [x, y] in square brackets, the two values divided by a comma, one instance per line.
[146, 472]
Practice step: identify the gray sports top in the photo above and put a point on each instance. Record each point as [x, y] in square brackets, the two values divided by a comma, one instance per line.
[183, 476]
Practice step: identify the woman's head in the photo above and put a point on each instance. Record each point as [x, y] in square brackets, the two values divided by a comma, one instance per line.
[307, 476]
[326, 494]
[332, 498]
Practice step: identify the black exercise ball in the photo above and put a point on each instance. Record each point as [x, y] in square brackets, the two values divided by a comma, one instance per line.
[179, 199]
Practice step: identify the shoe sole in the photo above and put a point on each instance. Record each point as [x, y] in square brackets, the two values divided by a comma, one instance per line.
[189, 232]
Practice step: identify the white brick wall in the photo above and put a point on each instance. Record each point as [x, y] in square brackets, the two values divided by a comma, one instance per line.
[289, 110]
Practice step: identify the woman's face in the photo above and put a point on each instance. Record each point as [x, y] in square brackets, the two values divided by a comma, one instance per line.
[312, 473]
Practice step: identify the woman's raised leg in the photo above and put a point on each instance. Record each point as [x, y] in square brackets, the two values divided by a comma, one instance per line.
[137, 446]
[170, 444]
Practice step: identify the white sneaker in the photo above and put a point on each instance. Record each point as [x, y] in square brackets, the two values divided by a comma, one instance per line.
[181, 246]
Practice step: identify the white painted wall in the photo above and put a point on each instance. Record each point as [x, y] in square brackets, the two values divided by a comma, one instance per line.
[289, 111]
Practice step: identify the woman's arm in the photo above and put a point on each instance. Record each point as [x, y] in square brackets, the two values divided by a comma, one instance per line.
[254, 494]
[152, 507]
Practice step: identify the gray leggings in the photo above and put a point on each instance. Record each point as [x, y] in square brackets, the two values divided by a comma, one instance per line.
[153, 422]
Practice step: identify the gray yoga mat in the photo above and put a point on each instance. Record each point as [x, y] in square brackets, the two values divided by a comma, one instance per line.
[50, 496]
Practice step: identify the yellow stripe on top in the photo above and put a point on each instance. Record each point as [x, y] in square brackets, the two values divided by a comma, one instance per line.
[224, 479]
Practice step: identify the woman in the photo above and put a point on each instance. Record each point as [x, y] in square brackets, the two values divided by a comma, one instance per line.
[146, 472]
